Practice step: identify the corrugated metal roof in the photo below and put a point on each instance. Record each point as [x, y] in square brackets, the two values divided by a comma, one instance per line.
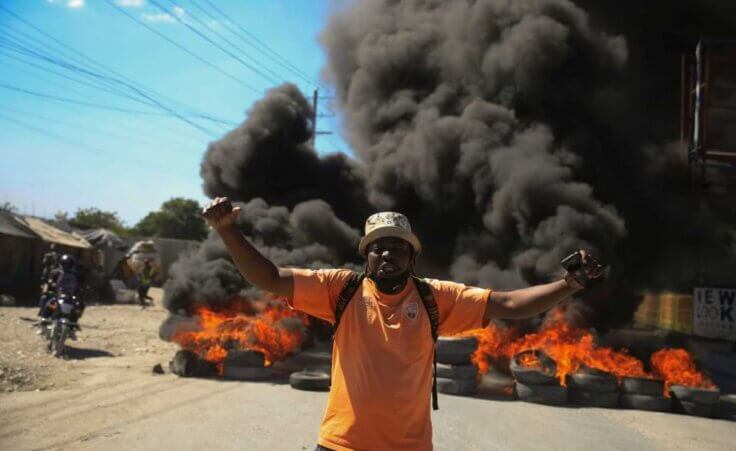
[51, 234]
[8, 226]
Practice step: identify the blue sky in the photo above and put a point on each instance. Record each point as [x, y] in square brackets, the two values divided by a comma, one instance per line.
[65, 153]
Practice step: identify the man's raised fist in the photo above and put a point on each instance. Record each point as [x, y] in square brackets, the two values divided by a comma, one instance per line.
[219, 213]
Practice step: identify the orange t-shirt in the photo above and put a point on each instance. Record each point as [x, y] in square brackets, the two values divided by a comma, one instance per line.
[382, 357]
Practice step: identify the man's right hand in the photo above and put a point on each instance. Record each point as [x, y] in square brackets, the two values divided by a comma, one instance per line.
[220, 214]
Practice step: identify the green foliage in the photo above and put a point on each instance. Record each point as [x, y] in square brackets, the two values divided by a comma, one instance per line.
[94, 218]
[177, 218]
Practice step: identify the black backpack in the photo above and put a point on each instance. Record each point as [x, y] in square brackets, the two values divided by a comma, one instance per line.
[425, 293]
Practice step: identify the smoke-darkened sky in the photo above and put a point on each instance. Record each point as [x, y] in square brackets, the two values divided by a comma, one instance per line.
[509, 132]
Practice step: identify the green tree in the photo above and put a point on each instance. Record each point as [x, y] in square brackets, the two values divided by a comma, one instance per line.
[177, 218]
[94, 218]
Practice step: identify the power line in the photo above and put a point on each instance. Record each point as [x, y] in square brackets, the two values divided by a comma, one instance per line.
[275, 77]
[68, 77]
[181, 47]
[268, 52]
[153, 103]
[124, 81]
[78, 102]
[77, 126]
[201, 35]
[82, 146]
[176, 133]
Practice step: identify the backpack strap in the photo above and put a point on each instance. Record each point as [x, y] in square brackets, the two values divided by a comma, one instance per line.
[347, 292]
[430, 304]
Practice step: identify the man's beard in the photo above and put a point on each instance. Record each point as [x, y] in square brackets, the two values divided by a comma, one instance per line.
[390, 285]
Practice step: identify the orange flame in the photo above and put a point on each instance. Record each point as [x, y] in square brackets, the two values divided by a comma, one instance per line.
[220, 331]
[677, 367]
[530, 361]
[569, 347]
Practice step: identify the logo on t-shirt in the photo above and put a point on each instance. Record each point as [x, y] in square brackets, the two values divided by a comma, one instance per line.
[370, 309]
[411, 310]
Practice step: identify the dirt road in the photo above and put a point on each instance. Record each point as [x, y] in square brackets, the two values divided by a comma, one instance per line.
[107, 398]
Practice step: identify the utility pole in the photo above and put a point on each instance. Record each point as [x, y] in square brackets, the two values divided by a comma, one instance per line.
[315, 104]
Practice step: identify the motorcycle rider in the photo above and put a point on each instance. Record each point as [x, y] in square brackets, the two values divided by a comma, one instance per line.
[49, 263]
[67, 285]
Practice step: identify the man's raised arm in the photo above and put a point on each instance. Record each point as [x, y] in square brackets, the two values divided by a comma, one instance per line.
[254, 267]
[531, 301]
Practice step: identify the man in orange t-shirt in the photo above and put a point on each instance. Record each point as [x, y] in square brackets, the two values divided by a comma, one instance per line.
[383, 350]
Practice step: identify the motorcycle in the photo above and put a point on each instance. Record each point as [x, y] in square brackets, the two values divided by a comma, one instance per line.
[66, 311]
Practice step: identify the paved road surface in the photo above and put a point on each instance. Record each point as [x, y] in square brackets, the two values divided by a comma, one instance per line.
[119, 406]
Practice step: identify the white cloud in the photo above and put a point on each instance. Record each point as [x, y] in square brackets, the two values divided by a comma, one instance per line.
[74, 4]
[178, 14]
[160, 17]
[130, 3]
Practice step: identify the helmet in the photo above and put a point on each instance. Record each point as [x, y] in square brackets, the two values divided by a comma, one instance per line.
[67, 262]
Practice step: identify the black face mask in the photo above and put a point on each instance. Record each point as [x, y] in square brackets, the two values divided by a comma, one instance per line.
[390, 285]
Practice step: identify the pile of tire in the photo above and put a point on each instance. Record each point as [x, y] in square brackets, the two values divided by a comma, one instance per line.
[537, 384]
[311, 379]
[702, 402]
[589, 387]
[245, 365]
[644, 394]
[456, 375]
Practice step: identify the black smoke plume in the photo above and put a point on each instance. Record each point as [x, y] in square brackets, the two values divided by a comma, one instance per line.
[509, 132]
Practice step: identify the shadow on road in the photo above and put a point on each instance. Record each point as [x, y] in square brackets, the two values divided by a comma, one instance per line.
[85, 353]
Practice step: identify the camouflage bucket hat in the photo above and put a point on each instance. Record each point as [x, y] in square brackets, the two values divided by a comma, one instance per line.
[388, 224]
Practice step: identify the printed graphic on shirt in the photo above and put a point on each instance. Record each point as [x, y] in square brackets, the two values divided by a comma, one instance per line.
[370, 309]
[411, 310]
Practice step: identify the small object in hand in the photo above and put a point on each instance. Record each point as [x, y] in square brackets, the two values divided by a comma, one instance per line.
[218, 208]
[581, 268]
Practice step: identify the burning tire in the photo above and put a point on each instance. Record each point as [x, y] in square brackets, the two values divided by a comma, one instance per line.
[589, 398]
[237, 357]
[467, 372]
[645, 402]
[246, 373]
[188, 364]
[695, 394]
[553, 395]
[455, 350]
[310, 380]
[590, 379]
[541, 373]
[642, 386]
[460, 387]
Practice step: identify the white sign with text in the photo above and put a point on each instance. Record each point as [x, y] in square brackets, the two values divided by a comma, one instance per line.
[714, 312]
